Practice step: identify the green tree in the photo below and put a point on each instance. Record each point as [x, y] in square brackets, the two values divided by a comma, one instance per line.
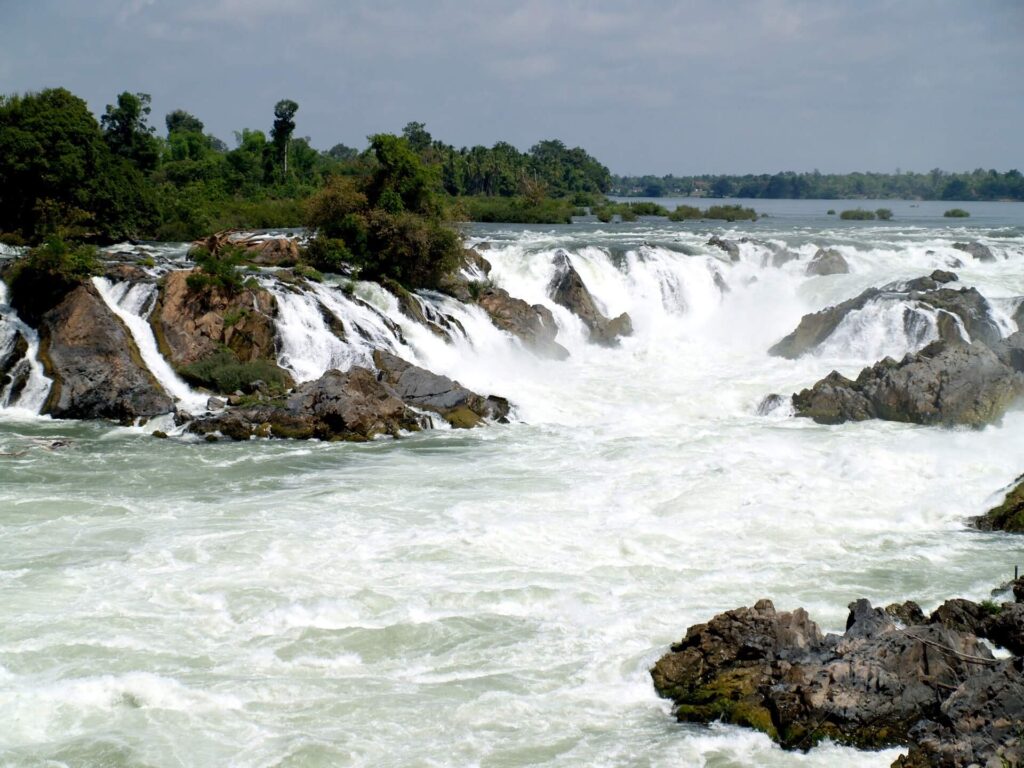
[281, 133]
[180, 121]
[127, 133]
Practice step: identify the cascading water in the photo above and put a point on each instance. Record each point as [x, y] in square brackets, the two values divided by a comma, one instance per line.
[27, 388]
[132, 303]
[496, 596]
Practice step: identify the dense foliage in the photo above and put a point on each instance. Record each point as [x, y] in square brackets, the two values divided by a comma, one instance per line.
[934, 185]
[40, 280]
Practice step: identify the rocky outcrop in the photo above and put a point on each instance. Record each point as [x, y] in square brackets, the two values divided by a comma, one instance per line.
[731, 248]
[351, 405]
[568, 290]
[935, 688]
[1007, 516]
[534, 325]
[827, 262]
[191, 325]
[428, 391]
[947, 382]
[977, 250]
[259, 250]
[437, 323]
[96, 369]
[967, 304]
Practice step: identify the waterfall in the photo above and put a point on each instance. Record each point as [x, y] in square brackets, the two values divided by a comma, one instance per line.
[132, 303]
[28, 386]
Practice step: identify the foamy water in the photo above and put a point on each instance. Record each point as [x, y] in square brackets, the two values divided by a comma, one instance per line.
[494, 597]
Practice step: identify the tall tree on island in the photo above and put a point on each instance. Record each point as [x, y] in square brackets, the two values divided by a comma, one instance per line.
[127, 133]
[281, 133]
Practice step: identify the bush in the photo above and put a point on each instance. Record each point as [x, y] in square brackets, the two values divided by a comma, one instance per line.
[685, 213]
[218, 269]
[605, 214]
[884, 214]
[831, 211]
[223, 372]
[517, 210]
[48, 273]
[857, 214]
[956, 213]
[647, 209]
[730, 213]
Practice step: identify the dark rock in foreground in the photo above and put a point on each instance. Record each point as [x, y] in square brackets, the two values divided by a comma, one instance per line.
[96, 368]
[932, 687]
[827, 262]
[1008, 516]
[428, 391]
[568, 290]
[947, 382]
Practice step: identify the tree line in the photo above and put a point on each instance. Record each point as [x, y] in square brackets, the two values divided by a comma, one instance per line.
[936, 184]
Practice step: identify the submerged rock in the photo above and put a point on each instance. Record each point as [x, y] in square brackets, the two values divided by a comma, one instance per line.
[534, 325]
[428, 391]
[568, 290]
[977, 250]
[97, 370]
[731, 248]
[932, 687]
[947, 382]
[827, 262]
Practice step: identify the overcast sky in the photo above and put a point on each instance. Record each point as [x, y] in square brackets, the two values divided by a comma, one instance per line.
[645, 86]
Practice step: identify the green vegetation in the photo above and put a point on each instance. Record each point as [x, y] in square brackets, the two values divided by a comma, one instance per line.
[646, 209]
[956, 213]
[685, 213]
[979, 184]
[831, 211]
[857, 214]
[884, 214]
[730, 213]
[990, 607]
[218, 269]
[48, 273]
[517, 210]
[223, 372]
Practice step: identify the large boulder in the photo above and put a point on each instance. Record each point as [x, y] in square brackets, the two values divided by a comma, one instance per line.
[192, 324]
[923, 293]
[947, 382]
[412, 307]
[97, 370]
[977, 250]
[429, 391]
[533, 324]
[351, 405]
[827, 262]
[934, 688]
[568, 290]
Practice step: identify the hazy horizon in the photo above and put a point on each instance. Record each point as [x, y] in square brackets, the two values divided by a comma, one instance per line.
[683, 89]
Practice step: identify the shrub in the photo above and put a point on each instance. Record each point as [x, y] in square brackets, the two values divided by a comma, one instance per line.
[956, 213]
[626, 213]
[518, 210]
[857, 214]
[884, 214]
[218, 269]
[831, 211]
[604, 214]
[685, 213]
[48, 273]
[645, 208]
[730, 213]
[223, 372]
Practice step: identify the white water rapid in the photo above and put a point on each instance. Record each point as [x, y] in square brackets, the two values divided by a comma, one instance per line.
[25, 392]
[496, 597]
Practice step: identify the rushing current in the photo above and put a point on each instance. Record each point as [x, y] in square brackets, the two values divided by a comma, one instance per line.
[496, 596]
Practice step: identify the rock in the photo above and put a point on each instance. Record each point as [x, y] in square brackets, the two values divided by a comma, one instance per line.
[215, 404]
[1004, 626]
[428, 391]
[728, 246]
[534, 325]
[1009, 515]
[814, 328]
[351, 405]
[437, 323]
[191, 325]
[772, 403]
[476, 264]
[944, 276]
[908, 613]
[937, 689]
[947, 382]
[259, 250]
[1011, 350]
[160, 434]
[568, 290]
[96, 368]
[827, 262]
[783, 257]
[976, 249]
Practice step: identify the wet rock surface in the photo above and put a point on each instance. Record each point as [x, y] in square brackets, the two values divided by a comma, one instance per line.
[1007, 516]
[931, 685]
[827, 262]
[568, 290]
[947, 382]
[96, 369]
[533, 324]
[731, 249]
[977, 250]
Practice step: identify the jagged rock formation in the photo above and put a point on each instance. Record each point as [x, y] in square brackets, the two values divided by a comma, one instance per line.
[947, 382]
[261, 251]
[533, 324]
[1007, 516]
[827, 262]
[967, 304]
[932, 686]
[977, 250]
[731, 248]
[428, 391]
[96, 369]
[568, 290]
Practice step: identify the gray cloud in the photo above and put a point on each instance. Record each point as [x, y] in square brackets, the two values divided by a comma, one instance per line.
[649, 86]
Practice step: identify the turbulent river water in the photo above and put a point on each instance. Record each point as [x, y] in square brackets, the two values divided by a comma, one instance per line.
[496, 596]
